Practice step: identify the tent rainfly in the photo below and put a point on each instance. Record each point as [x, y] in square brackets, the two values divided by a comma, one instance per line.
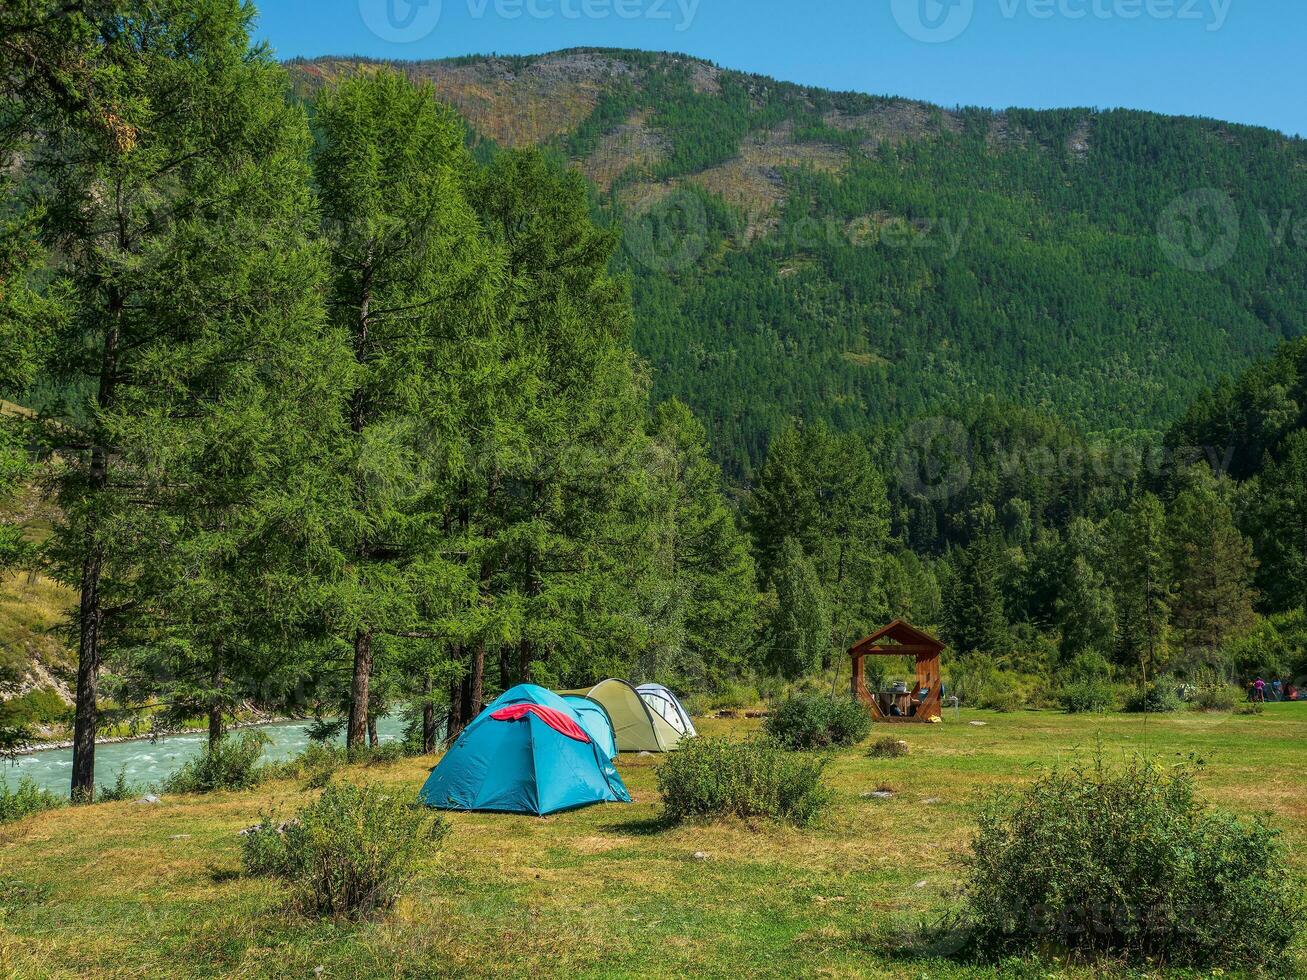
[529, 752]
[668, 706]
[594, 719]
[638, 728]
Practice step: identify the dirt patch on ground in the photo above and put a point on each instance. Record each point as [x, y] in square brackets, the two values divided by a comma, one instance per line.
[753, 181]
[632, 145]
[896, 121]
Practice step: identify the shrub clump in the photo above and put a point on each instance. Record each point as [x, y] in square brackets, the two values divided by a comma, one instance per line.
[25, 800]
[813, 721]
[348, 854]
[1128, 863]
[711, 778]
[1160, 697]
[888, 748]
[1084, 696]
[120, 792]
[1216, 697]
[316, 765]
[231, 763]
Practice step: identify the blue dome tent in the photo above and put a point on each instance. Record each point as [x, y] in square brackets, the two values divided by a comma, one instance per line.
[529, 752]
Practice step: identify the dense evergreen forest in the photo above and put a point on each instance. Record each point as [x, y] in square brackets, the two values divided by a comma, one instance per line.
[348, 406]
[853, 260]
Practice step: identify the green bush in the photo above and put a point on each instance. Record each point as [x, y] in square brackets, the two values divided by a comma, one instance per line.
[888, 747]
[42, 706]
[1129, 864]
[348, 854]
[233, 763]
[815, 721]
[120, 792]
[1160, 697]
[977, 683]
[316, 765]
[697, 705]
[711, 778]
[1081, 696]
[1216, 697]
[388, 752]
[734, 695]
[25, 800]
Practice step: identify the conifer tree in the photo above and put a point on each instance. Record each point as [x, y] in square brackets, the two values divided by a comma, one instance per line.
[1213, 566]
[1084, 610]
[1280, 526]
[704, 560]
[798, 636]
[166, 216]
[973, 601]
[563, 462]
[1143, 586]
[413, 285]
[824, 492]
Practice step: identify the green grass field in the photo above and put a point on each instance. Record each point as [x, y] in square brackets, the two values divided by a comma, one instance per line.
[139, 890]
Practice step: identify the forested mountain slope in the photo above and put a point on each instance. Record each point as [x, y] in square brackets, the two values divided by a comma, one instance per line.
[860, 259]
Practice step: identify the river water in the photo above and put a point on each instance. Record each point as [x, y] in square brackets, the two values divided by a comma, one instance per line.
[148, 762]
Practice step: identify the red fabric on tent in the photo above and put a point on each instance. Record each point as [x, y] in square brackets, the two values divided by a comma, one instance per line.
[552, 717]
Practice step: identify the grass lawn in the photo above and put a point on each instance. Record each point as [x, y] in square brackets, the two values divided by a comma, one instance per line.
[141, 890]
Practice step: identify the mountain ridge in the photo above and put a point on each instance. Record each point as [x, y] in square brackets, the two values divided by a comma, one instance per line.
[861, 259]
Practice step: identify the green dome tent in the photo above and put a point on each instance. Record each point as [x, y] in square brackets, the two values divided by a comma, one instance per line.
[638, 728]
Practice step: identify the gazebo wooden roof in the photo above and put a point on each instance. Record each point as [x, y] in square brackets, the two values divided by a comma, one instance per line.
[900, 639]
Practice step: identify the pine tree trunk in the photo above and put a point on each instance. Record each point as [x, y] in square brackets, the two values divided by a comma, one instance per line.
[357, 734]
[91, 613]
[465, 701]
[476, 680]
[215, 706]
[373, 740]
[455, 724]
[88, 678]
[428, 727]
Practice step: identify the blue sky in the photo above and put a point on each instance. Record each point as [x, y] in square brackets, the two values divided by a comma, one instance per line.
[1240, 60]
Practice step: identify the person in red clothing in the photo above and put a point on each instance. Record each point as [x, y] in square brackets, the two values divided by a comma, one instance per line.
[1259, 690]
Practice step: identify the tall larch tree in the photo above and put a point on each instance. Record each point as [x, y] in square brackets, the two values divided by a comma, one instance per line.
[162, 266]
[1280, 526]
[570, 433]
[1213, 566]
[411, 278]
[704, 560]
[1143, 587]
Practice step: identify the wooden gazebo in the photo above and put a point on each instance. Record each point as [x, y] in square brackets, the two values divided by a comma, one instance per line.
[898, 639]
